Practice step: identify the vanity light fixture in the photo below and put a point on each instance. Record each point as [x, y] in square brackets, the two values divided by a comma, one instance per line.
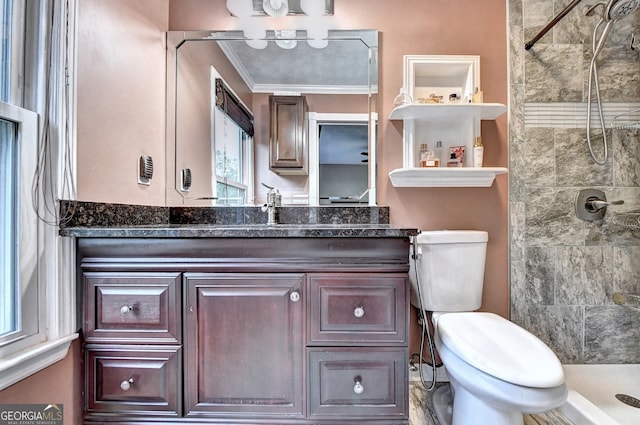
[315, 22]
[246, 8]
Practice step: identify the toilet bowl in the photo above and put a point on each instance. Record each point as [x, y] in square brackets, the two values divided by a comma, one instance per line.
[498, 370]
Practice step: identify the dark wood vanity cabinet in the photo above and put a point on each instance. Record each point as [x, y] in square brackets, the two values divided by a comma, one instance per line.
[245, 331]
[288, 140]
[244, 344]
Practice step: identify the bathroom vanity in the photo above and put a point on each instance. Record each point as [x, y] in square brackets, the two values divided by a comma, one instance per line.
[295, 323]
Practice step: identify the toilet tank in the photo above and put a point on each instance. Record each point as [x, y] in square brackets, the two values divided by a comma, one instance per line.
[449, 270]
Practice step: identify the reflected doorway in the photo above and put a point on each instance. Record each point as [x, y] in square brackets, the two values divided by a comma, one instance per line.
[341, 160]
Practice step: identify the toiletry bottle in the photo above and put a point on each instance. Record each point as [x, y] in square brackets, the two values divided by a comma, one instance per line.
[478, 152]
[402, 98]
[424, 154]
[437, 152]
[432, 161]
[453, 161]
[477, 96]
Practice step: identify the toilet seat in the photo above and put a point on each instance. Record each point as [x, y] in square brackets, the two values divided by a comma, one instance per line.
[500, 348]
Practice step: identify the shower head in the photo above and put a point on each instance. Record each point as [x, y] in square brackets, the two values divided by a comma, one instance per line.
[617, 9]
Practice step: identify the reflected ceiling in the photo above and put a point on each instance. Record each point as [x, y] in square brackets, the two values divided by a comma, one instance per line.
[341, 67]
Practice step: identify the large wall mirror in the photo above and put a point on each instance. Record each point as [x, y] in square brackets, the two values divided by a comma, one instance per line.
[218, 88]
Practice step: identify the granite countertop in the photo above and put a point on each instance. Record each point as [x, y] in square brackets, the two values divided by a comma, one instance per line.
[241, 231]
[98, 220]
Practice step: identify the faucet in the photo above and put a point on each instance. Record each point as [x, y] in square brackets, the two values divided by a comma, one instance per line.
[274, 201]
[591, 204]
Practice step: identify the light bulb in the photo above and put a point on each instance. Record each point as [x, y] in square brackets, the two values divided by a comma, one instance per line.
[240, 8]
[318, 44]
[257, 44]
[256, 37]
[317, 37]
[312, 7]
[276, 8]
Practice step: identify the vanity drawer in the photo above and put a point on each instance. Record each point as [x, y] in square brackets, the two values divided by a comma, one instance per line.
[138, 307]
[358, 383]
[358, 308]
[133, 379]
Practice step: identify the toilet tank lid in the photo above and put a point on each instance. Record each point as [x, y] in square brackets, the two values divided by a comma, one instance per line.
[452, 236]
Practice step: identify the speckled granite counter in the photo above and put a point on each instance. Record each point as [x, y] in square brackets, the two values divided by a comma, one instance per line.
[98, 220]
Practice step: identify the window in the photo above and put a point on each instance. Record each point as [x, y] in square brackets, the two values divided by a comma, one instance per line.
[232, 147]
[18, 237]
[9, 259]
[36, 325]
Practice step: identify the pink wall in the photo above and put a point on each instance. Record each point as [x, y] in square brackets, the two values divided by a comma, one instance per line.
[423, 27]
[121, 115]
[464, 27]
[60, 383]
[121, 99]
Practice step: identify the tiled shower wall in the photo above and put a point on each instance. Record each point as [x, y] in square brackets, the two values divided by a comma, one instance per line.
[564, 270]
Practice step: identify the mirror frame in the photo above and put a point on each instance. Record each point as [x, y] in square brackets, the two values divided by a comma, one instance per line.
[470, 64]
[175, 39]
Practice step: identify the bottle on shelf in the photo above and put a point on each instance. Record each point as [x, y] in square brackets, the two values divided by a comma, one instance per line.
[438, 151]
[424, 154]
[427, 159]
[478, 152]
[453, 161]
[402, 98]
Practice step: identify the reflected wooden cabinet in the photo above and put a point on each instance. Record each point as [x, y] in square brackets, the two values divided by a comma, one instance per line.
[245, 331]
[288, 140]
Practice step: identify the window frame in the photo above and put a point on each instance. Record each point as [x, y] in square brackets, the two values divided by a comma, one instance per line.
[48, 94]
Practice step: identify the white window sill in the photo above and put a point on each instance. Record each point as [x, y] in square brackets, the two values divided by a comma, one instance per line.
[33, 359]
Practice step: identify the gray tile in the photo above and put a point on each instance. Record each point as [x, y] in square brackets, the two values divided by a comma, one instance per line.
[540, 275]
[626, 151]
[574, 165]
[554, 73]
[560, 327]
[611, 335]
[584, 275]
[540, 169]
[550, 218]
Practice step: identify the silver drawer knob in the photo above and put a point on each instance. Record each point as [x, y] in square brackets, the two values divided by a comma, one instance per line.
[125, 385]
[126, 309]
[358, 312]
[358, 388]
[294, 296]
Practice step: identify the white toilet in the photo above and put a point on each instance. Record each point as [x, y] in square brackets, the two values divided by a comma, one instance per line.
[498, 370]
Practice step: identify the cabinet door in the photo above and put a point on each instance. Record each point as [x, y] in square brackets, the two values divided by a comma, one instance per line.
[244, 344]
[288, 135]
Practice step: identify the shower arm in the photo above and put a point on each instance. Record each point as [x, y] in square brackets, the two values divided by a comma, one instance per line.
[550, 25]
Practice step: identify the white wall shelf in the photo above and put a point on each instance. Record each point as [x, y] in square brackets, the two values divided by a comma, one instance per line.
[456, 124]
[448, 111]
[445, 177]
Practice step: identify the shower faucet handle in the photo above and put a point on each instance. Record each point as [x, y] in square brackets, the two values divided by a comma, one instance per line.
[591, 204]
[595, 204]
